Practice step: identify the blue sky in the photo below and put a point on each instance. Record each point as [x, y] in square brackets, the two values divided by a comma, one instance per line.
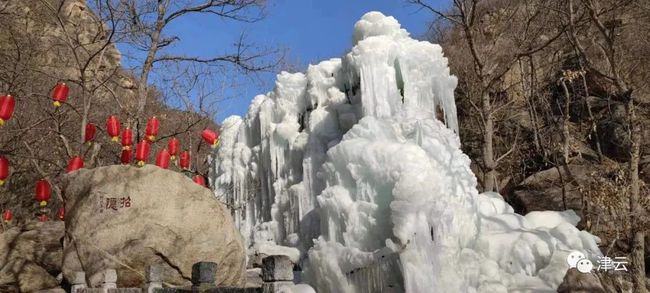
[311, 30]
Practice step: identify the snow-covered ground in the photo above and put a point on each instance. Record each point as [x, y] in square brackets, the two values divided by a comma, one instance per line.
[356, 165]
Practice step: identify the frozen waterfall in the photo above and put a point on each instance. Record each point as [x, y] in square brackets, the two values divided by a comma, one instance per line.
[354, 169]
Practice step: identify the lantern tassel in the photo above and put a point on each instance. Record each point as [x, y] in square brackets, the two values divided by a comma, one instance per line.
[115, 139]
[2, 122]
[140, 163]
[2, 182]
[126, 148]
[215, 144]
[172, 157]
[57, 104]
[43, 203]
[151, 137]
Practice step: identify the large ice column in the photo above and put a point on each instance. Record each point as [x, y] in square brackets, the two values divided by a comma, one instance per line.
[356, 166]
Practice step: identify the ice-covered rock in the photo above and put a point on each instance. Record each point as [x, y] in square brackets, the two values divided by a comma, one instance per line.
[357, 164]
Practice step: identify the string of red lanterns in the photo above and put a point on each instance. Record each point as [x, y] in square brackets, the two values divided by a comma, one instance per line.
[7, 105]
[43, 191]
[162, 159]
[151, 130]
[113, 127]
[61, 213]
[210, 137]
[60, 94]
[127, 138]
[89, 133]
[200, 180]
[4, 169]
[142, 152]
[184, 160]
[75, 164]
[7, 216]
[173, 145]
[125, 158]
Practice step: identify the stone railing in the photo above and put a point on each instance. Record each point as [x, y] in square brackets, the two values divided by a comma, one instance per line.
[277, 271]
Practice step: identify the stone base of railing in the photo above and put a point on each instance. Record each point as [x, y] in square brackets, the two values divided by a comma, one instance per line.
[277, 271]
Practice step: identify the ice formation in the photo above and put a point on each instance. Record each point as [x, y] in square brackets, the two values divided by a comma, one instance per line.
[355, 167]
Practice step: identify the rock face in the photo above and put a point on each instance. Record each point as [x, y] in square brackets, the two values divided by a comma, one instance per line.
[577, 282]
[126, 218]
[30, 257]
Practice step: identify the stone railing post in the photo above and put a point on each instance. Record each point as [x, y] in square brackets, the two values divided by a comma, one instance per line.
[109, 279]
[204, 276]
[153, 278]
[277, 271]
[78, 281]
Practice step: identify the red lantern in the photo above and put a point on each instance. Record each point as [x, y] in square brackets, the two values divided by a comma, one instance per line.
[184, 160]
[43, 192]
[43, 218]
[61, 213]
[7, 104]
[211, 137]
[89, 134]
[173, 145]
[126, 157]
[198, 179]
[4, 169]
[152, 128]
[127, 138]
[162, 159]
[75, 164]
[7, 216]
[142, 152]
[113, 127]
[60, 94]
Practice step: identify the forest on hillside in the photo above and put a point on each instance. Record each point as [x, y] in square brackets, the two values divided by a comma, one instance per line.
[553, 104]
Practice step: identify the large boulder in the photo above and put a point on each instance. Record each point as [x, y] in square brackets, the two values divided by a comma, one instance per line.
[126, 218]
[30, 257]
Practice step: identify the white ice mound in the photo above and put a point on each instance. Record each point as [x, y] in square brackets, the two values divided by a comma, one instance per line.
[357, 164]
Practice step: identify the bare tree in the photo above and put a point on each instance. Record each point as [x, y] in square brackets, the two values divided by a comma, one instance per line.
[493, 52]
[609, 54]
[145, 28]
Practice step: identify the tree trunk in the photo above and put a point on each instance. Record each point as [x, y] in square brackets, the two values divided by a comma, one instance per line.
[489, 181]
[148, 64]
[638, 241]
